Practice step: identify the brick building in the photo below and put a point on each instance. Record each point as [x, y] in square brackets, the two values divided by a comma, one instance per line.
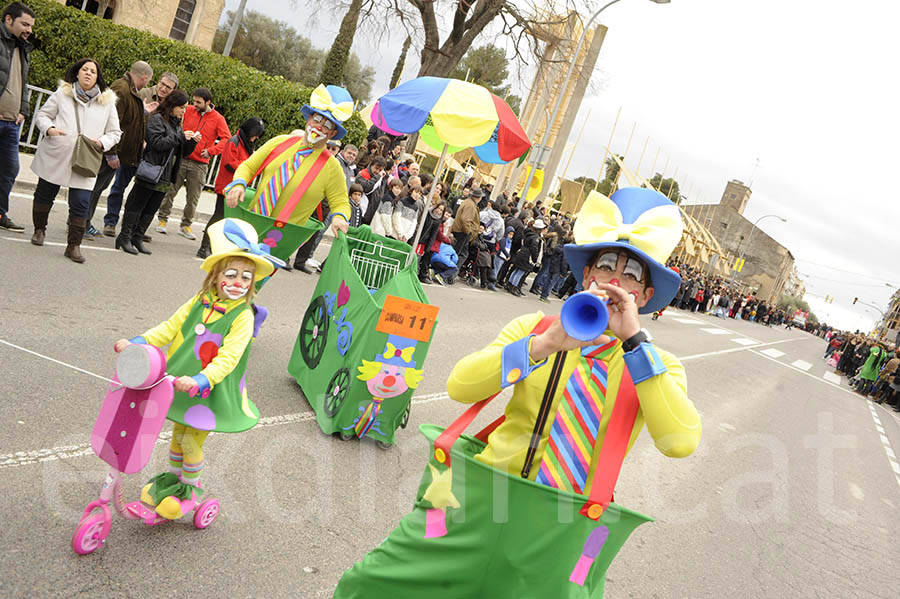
[191, 21]
[768, 264]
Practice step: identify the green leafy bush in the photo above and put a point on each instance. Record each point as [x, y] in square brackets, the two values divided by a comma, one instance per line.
[239, 92]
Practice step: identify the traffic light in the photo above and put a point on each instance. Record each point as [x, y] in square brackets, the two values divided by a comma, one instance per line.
[855, 299]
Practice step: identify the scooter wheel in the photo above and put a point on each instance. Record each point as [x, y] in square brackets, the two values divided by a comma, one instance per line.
[89, 535]
[206, 512]
[347, 436]
[383, 445]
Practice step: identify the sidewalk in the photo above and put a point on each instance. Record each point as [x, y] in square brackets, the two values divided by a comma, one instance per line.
[23, 194]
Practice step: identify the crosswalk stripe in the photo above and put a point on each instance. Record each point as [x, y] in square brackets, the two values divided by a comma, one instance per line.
[801, 364]
[772, 352]
[745, 341]
[716, 331]
[686, 321]
[832, 378]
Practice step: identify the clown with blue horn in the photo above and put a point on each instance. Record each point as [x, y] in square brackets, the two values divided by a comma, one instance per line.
[551, 462]
[296, 172]
[392, 373]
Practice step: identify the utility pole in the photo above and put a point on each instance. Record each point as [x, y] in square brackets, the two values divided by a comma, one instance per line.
[235, 25]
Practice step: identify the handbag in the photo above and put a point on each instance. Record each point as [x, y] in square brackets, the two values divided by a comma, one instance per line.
[86, 157]
[152, 173]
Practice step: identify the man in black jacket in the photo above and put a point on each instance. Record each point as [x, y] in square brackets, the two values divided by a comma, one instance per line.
[15, 28]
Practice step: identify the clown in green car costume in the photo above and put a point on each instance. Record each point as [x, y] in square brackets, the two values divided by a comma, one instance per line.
[209, 340]
[457, 543]
[288, 159]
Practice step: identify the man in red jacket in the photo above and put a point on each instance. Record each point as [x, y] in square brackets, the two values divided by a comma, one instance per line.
[202, 118]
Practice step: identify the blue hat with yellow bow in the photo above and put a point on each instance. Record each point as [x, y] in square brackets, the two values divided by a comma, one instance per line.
[234, 237]
[640, 220]
[332, 102]
[398, 351]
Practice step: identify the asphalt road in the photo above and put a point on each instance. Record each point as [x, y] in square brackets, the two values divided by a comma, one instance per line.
[794, 491]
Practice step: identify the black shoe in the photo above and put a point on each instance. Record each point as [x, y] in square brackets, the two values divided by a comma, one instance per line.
[146, 238]
[9, 225]
[287, 266]
[123, 241]
[425, 280]
[203, 252]
[307, 269]
[534, 291]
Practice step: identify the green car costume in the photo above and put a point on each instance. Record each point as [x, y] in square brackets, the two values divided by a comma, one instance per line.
[483, 527]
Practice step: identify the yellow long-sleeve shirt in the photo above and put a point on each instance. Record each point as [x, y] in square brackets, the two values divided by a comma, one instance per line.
[233, 344]
[670, 416]
[330, 183]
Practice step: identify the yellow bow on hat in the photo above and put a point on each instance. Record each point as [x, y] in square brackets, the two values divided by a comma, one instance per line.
[321, 100]
[656, 232]
[406, 354]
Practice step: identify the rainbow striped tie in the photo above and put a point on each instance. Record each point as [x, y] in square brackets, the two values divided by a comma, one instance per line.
[567, 456]
[269, 196]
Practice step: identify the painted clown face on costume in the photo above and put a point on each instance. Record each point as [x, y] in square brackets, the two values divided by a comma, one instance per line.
[390, 381]
[622, 269]
[319, 128]
[236, 279]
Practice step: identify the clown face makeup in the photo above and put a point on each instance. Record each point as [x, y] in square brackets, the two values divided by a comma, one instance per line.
[234, 283]
[619, 268]
[389, 382]
[319, 128]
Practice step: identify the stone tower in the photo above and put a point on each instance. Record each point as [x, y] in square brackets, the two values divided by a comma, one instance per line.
[736, 195]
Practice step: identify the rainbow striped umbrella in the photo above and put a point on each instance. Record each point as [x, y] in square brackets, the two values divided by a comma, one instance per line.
[456, 115]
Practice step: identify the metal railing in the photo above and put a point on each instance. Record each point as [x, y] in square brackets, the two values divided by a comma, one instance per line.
[31, 136]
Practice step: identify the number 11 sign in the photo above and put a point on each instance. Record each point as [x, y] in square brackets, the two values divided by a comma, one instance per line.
[406, 318]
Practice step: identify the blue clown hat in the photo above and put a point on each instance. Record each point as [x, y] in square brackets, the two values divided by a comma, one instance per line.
[637, 219]
[398, 351]
[332, 102]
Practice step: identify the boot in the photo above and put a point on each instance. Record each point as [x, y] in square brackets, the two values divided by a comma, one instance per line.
[137, 237]
[39, 214]
[76, 234]
[205, 249]
[129, 220]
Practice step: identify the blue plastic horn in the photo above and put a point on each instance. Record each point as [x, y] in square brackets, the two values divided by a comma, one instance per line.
[584, 316]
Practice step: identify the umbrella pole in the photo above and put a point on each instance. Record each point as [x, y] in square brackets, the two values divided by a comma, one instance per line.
[427, 206]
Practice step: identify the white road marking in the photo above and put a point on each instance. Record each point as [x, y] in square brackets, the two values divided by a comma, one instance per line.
[737, 349]
[772, 352]
[726, 427]
[687, 321]
[23, 458]
[745, 341]
[856, 491]
[717, 331]
[62, 245]
[34, 353]
[832, 377]
[801, 364]
[884, 440]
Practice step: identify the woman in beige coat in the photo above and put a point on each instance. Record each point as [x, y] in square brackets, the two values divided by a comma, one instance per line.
[83, 89]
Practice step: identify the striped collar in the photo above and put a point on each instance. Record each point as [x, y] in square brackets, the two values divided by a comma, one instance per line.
[600, 352]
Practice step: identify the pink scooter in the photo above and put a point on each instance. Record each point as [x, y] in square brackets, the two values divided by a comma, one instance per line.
[130, 420]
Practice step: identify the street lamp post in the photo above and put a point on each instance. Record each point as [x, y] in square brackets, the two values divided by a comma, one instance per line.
[746, 242]
[562, 90]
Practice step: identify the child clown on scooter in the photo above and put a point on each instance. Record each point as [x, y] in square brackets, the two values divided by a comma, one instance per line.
[209, 340]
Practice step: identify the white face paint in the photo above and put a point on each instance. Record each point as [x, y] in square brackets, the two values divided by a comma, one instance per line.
[313, 135]
[234, 284]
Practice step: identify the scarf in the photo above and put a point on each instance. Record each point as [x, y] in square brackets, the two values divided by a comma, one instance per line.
[85, 95]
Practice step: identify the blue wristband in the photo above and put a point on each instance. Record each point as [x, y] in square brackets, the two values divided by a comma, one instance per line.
[138, 340]
[235, 183]
[516, 363]
[202, 382]
[644, 363]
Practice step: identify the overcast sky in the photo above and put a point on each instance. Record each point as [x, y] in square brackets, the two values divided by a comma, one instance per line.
[805, 86]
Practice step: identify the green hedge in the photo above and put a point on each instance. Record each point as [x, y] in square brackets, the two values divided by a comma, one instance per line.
[66, 35]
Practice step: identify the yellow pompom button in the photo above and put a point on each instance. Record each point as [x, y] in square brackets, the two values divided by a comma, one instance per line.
[595, 511]
[513, 375]
[439, 455]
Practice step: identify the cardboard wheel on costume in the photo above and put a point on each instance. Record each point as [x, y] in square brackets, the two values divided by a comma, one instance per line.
[363, 339]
